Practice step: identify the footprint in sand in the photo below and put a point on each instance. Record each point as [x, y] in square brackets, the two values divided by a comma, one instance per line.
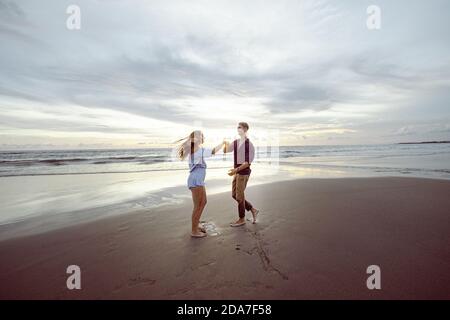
[211, 228]
[123, 228]
[133, 282]
[140, 281]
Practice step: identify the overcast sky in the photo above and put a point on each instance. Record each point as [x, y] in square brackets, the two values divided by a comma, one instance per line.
[144, 73]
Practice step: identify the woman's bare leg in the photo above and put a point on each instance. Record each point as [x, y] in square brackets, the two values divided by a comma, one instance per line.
[202, 204]
[197, 198]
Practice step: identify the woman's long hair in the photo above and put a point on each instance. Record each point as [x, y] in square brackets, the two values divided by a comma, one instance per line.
[190, 144]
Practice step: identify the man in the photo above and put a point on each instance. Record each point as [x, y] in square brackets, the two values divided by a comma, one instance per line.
[244, 153]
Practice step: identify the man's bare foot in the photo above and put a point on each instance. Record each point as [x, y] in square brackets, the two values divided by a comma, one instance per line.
[238, 223]
[255, 214]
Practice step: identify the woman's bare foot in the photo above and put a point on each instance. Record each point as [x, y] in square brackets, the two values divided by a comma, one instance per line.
[198, 234]
[255, 214]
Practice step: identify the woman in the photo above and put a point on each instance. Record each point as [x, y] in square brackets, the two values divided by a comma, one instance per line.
[193, 150]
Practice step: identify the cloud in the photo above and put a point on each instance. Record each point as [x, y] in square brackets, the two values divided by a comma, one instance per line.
[10, 10]
[283, 64]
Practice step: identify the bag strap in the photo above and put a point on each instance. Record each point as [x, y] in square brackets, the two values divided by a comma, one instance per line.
[247, 151]
[235, 152]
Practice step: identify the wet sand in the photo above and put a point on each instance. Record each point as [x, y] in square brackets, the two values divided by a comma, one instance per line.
[314, 240]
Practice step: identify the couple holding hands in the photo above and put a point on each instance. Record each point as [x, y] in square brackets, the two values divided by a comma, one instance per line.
[244, 152]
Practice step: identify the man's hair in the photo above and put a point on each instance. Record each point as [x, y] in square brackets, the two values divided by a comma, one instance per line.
[244, 125]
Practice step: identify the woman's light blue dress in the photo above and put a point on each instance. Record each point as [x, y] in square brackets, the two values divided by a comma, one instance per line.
[197, 167]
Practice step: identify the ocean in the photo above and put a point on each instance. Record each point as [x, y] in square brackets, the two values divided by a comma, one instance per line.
[425, 160]
[68, 186]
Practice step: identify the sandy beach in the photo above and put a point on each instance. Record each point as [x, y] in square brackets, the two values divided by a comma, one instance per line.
[314, 240]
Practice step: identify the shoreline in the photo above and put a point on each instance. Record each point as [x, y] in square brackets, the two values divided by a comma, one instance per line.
[314, 240]
[29, 200]
[49, 222]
